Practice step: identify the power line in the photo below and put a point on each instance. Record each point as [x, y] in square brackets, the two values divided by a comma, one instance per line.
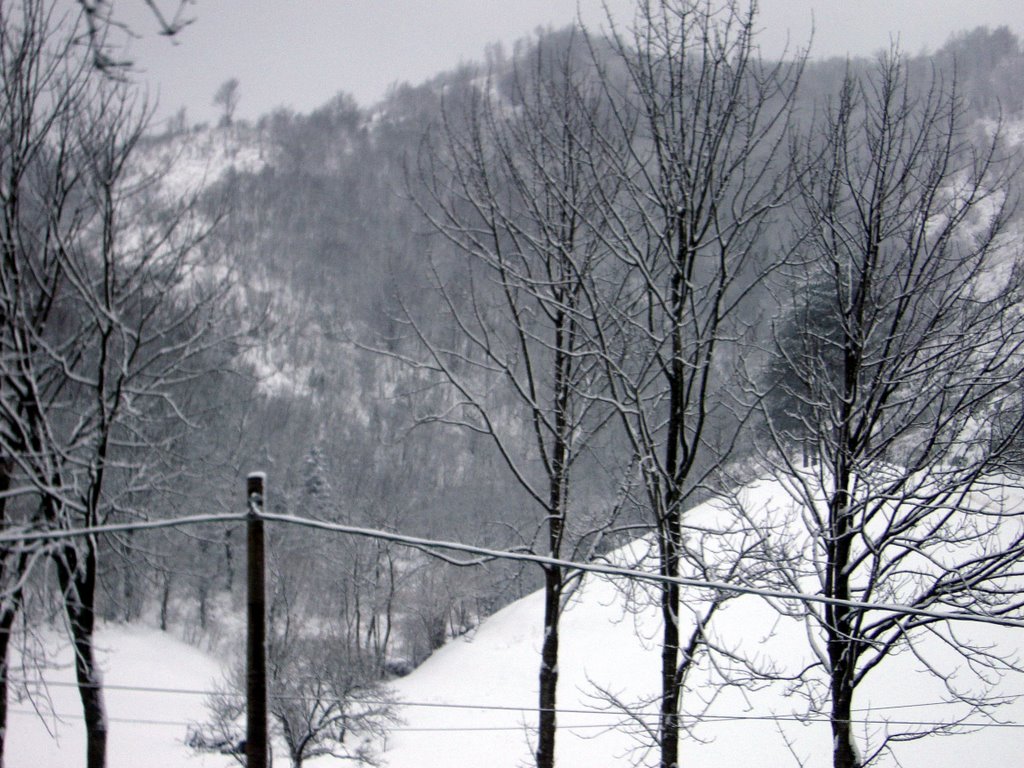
[629, 573]
[625, 719]
[606, 569]
[128, 720]
[526, 709]
[57, 534]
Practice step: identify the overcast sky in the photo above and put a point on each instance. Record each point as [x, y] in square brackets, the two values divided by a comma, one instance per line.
[299, 53]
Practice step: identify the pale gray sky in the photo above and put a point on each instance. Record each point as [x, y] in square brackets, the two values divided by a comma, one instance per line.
[299, 53]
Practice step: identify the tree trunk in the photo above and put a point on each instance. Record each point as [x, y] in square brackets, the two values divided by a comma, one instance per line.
[548, 678]
[91, 694]
[553, 575]
[78, 585]
[165, 600]
[6, 626]
[229, 563]
[838, 619]
[204, 592]
[669, 725]
[844, 752]
[127, 593]
[10, 609]
[669, 522]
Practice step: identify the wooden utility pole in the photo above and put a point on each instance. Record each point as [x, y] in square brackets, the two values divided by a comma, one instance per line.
[256, 643]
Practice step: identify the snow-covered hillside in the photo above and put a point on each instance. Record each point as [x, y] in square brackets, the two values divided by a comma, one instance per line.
[497, 667]
[471, 703]
[188, 162]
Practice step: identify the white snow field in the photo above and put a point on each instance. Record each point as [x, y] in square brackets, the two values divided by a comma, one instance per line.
[600, 646]
[146, 729]
[469, 705]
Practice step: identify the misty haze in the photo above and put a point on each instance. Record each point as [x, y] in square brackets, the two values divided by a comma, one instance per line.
[644, 391]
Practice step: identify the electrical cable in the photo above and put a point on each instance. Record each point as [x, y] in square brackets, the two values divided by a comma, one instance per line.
[627, 718]
[58, 534]
[421, 543]
[629, 573]
[633, 714]
[128, 720]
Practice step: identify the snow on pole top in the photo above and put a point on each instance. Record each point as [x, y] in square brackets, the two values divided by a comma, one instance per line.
[254, 491]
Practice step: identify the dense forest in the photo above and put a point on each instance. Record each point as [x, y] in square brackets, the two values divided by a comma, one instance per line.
[543, 304]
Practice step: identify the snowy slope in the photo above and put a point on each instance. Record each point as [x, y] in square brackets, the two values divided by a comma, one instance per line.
[189, 162]
[471, 703]
[147, 729]
[498, 667]
[609, 648]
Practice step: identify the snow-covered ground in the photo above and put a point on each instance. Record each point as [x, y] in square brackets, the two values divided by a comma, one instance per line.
[147, 729]
[188, 163]
[604, 647]
[471, 703]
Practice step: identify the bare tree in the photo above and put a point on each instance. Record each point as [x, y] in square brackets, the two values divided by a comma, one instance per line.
[107, 311]
[511, 183]
[171, 17]
[325, 691]
[227, 98]
[699, 187]
[41, 87]
[904, 387]
[326, 702]
[325, 695]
